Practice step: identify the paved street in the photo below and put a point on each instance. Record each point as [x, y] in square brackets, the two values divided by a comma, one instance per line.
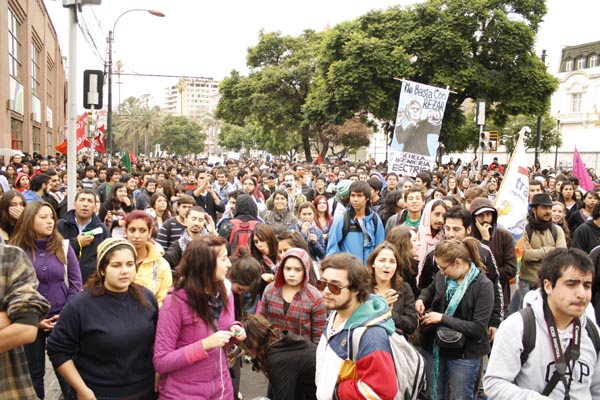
[253, 384]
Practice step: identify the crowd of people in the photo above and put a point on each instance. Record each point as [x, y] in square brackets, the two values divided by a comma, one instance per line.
[160, 280]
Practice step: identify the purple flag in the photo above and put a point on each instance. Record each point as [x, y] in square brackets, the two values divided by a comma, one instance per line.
[581, 173]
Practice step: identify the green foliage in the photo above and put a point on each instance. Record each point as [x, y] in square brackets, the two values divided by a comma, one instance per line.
[550, 136]
[133, 120]
[181, 135]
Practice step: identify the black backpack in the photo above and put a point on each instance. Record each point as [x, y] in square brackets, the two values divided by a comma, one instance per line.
[347, 227]
[529, 332]
[553, 230]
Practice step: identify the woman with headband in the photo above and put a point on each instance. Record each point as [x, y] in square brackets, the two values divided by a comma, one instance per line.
[102, 344]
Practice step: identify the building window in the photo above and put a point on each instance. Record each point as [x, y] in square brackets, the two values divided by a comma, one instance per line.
[14, 46]
[49, 147]
[16, 134]
[576, 99]
[49, 86]
[35, 138]
[36, 75]
[581, 63]
[569, 65]
[593, 61]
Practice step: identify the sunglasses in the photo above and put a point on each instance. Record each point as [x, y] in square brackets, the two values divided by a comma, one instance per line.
[334, 288]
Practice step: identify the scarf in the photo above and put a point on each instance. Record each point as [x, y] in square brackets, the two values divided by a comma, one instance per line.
[454, 294]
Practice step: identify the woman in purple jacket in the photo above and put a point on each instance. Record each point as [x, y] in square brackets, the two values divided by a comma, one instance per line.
[58, 272]
[196, 325]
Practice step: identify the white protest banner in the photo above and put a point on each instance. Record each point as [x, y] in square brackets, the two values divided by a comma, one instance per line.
[418, 122]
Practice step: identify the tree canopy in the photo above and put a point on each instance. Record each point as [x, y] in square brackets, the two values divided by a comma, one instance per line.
[306, 86]
[181, 135]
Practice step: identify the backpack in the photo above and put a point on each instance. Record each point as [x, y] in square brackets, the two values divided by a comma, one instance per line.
[408, 363]
[347, 227]
[529, 230]
[240, 234]
[529, 331]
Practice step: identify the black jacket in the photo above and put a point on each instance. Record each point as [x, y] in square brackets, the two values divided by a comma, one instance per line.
[586, 236]
[291, 365]
[67, 226]
[471, 317]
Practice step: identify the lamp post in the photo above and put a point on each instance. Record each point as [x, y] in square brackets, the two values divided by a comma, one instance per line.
[111, 37]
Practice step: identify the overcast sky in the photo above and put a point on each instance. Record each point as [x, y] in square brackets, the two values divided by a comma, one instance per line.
[210, 38]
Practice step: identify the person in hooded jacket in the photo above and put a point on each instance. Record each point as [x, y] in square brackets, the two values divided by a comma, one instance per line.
[288, 360]
[245, 209]
[292, 304]
[500, 241]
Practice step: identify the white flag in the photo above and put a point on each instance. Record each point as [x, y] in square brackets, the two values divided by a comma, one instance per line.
[512, 201]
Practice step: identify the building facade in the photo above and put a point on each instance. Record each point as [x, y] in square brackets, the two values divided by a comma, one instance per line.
[576, 105]
[196, 99]
[33, 88]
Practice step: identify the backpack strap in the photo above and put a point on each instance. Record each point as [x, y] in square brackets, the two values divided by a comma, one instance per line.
[593, 334]
[346, 227]
[528, 332]
[553, 230]
[354, 343]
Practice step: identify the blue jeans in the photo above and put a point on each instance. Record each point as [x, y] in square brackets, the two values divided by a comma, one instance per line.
[36, 361]
[461, 373]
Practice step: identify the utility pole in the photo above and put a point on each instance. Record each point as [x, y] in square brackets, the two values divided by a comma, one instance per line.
[538, 133]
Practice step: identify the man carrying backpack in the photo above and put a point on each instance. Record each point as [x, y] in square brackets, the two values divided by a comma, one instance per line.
[562, 361]
[237, 230]
[540, 237]
[343, 373]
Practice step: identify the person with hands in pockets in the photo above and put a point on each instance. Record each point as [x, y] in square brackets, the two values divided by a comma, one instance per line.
[196, 325]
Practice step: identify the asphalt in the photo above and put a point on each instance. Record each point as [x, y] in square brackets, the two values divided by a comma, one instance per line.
[252, 383]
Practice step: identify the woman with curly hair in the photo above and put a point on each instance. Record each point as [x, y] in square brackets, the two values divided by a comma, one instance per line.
[287, 360]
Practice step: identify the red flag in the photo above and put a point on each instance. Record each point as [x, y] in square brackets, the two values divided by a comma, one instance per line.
[132, 157]
[581, 173]
[62, 148]
[319, 159]
[80, 136]
[98, 141]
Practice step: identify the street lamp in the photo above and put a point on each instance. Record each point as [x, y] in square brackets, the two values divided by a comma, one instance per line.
[111, 38]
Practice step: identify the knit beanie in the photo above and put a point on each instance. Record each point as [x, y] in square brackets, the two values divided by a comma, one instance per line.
[109, 244]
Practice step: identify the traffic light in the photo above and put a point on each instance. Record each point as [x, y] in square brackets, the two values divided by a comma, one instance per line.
[494, 138]
[92, 123]
[484, 140]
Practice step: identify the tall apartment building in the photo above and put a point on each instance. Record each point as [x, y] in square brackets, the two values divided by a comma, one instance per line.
[196, 99]
[576, 104]
[32, 75]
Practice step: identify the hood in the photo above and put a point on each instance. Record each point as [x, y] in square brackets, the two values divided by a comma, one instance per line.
[478, 204]
[301, 255]
[245, 208]
[375, 311]
[20, 176]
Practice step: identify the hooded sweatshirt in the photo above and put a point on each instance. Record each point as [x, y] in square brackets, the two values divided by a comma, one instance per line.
[506, 378]
[501, 244]
[245, 209]
[374, 365]
[305, 315]
[20, 176]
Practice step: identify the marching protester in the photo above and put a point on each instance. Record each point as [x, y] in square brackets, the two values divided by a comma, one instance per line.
[102, 343]
[59, 275]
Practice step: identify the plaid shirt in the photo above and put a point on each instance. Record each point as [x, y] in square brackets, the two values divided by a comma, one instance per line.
[306, 315]
[24, 305]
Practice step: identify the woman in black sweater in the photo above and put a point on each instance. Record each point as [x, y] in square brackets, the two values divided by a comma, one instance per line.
[102, 344]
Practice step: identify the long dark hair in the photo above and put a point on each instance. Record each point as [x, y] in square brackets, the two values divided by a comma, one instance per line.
[6, 221]
[111, 199]
[265, 233]
[397, 279]
[24, 234]
[260, 337]
[197, 276]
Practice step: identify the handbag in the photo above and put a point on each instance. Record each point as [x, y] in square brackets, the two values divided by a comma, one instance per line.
[448, 338]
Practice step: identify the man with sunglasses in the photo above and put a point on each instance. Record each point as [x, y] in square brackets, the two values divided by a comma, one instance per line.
[343, 372]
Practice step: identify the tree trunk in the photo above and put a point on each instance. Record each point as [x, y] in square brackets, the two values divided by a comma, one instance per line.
[306, 144]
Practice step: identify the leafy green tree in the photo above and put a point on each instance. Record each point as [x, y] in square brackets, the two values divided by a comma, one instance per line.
[550, 138]
[181, 135]
[273, 94]
[479, 49]
[135, 122]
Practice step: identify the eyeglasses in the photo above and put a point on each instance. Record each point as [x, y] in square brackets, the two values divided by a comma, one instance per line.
[334, 288]
[447, 266]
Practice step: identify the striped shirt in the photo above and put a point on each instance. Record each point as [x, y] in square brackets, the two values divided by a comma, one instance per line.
[169, 232]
